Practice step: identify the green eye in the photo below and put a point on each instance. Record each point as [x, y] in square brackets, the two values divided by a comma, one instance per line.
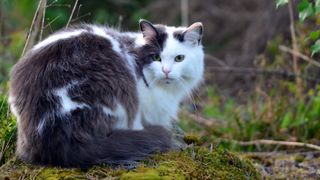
[156, 57]
[179, 58]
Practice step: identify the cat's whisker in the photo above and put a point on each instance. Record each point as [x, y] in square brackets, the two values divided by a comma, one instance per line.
[189, 92]
[153, 82]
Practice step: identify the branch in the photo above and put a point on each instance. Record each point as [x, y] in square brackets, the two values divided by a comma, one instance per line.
[217, 60]
[184, 12]
[73, 10]
[199, 119]
[296, 68]
[82, 16]
[35, 25]
[274, 142]
[300, 55]
[284, 74]
[43, 20]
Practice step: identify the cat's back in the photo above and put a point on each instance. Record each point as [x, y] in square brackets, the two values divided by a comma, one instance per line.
[89, 62]
[74, 53]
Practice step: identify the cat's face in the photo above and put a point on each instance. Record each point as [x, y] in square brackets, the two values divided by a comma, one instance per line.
[174, 56]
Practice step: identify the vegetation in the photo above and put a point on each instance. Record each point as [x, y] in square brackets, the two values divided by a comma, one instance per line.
[192, 163]
[7, 131]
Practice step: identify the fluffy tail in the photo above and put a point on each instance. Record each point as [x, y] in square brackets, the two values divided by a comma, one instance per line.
[125, 146]
[120, 147]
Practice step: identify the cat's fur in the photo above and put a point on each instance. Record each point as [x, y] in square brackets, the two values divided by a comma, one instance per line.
[89, 94]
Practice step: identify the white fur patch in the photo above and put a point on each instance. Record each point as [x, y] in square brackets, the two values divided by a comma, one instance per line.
[119, 114]
[59, 36]
[13, 107]
[159, 108]
[67, 105]
[101, 32]
[41, 126]
[139, 40]
[131, 62]
[107, 111]
[137, 124]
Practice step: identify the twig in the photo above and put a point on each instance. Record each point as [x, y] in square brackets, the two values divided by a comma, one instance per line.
[74, 8]
[80, 5]
[120, 20]
[280, 153]
[76, 19]
[53, 2]
[59, 5]
[1, 18]
[184, 12]
[300, 55]
[5, 146]
[43, 20]
[274, 142]
[197, 118]
[51, 22]
[245, 70]
[32, 34]
[296, 69]
[2, 150]
[213, 58]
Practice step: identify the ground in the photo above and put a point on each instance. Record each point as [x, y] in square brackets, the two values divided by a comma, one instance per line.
[286, 164]
[193, 162]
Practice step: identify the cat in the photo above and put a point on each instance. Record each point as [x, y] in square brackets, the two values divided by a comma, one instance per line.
[91, 94]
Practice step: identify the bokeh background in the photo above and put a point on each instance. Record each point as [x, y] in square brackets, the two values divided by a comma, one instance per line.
[261, 80]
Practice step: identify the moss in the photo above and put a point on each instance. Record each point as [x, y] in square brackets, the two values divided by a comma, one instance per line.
[191, 139]
[299, 159]
[191, 163]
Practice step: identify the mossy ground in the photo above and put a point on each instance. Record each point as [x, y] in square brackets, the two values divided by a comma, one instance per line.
[192, 163]
[286, 164]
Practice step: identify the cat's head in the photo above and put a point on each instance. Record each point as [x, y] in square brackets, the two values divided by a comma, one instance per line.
[173, 56]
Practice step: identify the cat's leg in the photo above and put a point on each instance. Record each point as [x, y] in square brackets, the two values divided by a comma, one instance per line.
[120, 114]
[137, 124]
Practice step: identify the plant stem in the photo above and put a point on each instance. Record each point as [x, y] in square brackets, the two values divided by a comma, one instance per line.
[296, 68]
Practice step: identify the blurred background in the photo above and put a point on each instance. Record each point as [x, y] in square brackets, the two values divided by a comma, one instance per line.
[262, 68]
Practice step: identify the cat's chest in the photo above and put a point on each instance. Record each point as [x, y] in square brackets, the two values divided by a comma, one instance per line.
[157, 107]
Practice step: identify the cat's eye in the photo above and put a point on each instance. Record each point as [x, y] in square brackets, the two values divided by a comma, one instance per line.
[179, 58]
[156, 57]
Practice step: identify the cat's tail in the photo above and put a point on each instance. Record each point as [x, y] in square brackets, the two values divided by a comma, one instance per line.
[127, 146]
[120, 147]
[132, 145]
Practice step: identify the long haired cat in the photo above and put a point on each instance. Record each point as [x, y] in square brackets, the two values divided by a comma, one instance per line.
[90, 94]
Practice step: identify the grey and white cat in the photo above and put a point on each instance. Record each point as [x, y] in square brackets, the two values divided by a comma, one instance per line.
[91, 94]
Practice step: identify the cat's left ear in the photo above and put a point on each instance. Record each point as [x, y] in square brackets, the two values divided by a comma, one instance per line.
[147, 29]
[193, 34]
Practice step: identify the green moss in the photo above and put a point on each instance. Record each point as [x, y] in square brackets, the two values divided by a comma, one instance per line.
[299, 159]
[191, 139]
[197, 163]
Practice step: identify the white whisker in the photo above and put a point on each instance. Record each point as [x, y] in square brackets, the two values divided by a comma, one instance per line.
[189, 92]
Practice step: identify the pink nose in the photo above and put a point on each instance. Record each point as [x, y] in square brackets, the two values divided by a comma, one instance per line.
[166, 71]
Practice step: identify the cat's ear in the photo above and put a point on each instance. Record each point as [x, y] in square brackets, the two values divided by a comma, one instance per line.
[193, 34]
[147, 29]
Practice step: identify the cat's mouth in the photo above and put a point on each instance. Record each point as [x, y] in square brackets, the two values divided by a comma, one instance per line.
[167, 80]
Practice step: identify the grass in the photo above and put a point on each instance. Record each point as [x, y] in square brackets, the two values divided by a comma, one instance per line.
[7, 130]
[275, 113]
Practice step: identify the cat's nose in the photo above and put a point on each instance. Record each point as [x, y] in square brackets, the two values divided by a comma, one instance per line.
[166, 71]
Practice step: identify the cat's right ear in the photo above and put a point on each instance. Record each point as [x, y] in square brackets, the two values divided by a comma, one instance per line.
[193, 33]
[147, 29]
